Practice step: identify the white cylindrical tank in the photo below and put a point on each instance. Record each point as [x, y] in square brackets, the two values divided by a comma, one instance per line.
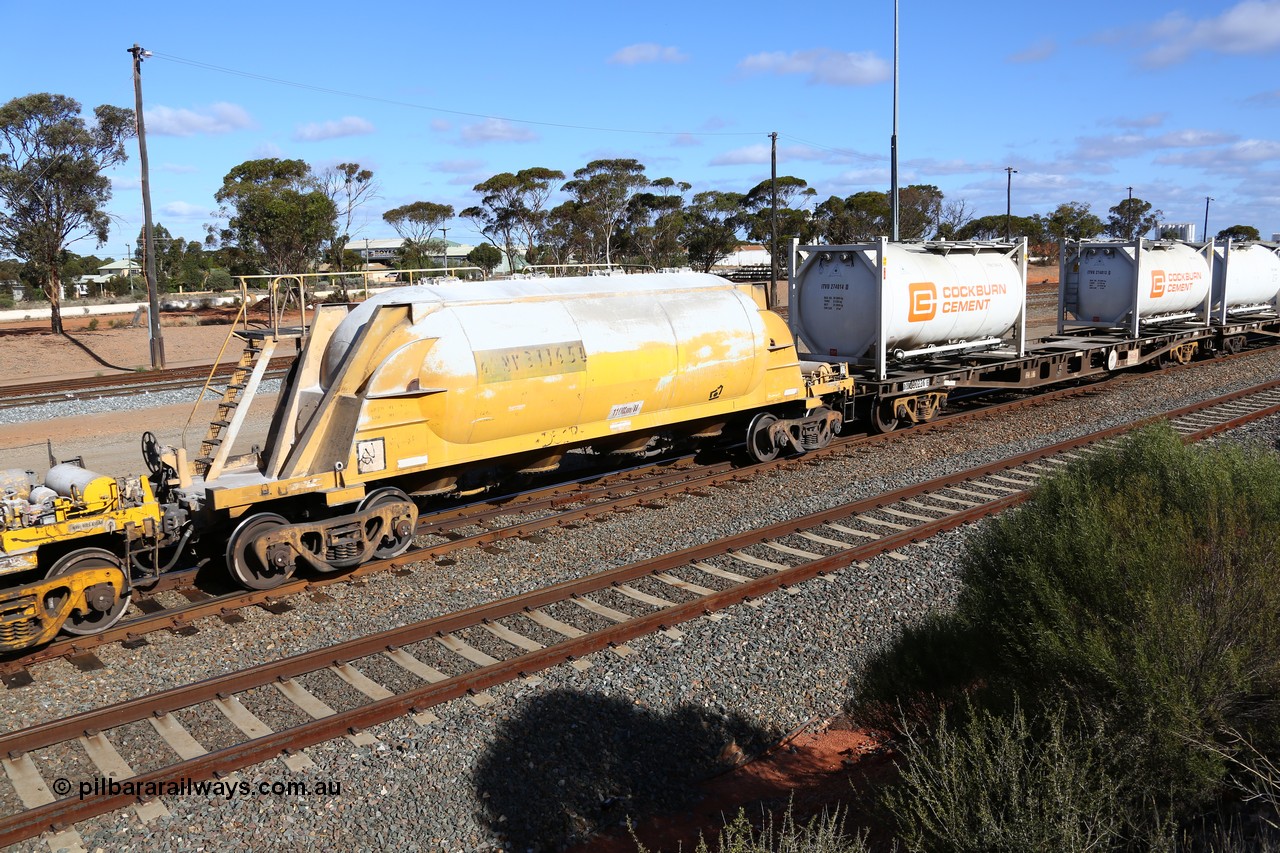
[930, 298]
[1170, 278]
[1245, 276]
[527, 356]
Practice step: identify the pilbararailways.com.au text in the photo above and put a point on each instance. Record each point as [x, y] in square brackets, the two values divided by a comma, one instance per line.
[227, 789]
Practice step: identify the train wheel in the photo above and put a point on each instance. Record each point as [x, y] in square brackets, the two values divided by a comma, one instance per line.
[760, 445]
[883, 418]
[105, 609]
[393, 542]
[245, 566]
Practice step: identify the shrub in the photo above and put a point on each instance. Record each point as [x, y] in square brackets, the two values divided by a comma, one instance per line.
[992, 784]
[1141, 586]
[823, 834]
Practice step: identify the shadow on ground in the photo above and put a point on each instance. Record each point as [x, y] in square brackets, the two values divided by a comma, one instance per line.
[93, 355]
[570, 763]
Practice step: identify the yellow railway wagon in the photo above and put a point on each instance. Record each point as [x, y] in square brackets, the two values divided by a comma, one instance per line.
[430, 389]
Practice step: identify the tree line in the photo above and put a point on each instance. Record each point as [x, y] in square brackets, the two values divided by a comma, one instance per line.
[278, 215]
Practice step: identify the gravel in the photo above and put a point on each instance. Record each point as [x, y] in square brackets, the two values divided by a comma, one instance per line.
[73, 406]
[547, 762]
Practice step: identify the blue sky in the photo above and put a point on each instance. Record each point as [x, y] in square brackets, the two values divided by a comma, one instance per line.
[1178, 100]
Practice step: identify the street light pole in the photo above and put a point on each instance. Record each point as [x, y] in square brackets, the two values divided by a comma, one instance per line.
[893, 142]
[1206, 217]
[1008, 201]
[149, 255]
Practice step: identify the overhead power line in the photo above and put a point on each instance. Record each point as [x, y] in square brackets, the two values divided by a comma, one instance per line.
[410, 105]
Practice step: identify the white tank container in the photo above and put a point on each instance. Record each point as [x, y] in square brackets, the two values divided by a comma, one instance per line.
[1244, 276]
[1169, 278]
[929, 297]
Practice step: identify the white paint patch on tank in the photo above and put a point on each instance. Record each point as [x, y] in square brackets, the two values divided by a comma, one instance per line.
[930, 298]
[1175, 280]
[1247, 275]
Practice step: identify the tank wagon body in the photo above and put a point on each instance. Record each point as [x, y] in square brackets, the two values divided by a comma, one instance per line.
[1246, 280]
[449, 389]
[908, 362]
[1115, 285]
[865, 303]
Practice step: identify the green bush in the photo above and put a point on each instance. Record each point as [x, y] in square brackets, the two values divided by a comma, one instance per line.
[997, 783]
[823, 834]
[1142, 586]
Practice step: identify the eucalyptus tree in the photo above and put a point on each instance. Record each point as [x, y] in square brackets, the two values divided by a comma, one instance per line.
[416, 223]
[603, 189]
[1131, 218]
[52, 188]
[712, 227]
[277, 215]
[513, 204]
[349, 187]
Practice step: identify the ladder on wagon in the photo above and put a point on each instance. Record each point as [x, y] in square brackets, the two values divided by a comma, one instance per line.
[285, 294]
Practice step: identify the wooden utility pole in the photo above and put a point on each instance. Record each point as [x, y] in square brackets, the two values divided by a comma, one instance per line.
[149, 253]
[773, 221]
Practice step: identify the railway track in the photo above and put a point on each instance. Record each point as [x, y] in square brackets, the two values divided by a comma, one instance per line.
[98, 387]
[563, 623]
[481, 524]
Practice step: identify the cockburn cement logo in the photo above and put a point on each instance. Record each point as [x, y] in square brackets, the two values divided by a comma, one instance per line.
[924, 303]
[1157, 284]
[1175, 282]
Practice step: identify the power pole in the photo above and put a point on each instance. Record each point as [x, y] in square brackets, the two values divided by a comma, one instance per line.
[773, 221]
[1128, 216]
[1008, 202]
[445, 231]
[1206, 218]
[148, 260]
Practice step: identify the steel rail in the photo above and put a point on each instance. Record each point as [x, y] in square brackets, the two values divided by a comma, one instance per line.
[59, 813]
[665, 485]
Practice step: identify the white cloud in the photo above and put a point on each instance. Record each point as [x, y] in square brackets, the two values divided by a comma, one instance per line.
[1265, 99]
[214, 119]
[183, 209]
[759, 154]
[1038, 52]
[1139, 122]
[122, 183]
[647, 52]
[1246, 151]
[495, 130]
[264, 150]
[457, 167]
[821, 65]
[440, 125]
[1251, 26]
[332, 129]
[1133, 144]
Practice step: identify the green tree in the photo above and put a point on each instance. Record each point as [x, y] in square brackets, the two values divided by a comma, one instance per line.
[1073, 221]
[603, 188]
[349, 187]
[1239, 232]
[860, 217]
[486, 256]
[794, 195]
[277, 215]
[712, 227]
[513, 204]
[1130, 219]
[651, 228]
[52, 190]
[416, 223]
